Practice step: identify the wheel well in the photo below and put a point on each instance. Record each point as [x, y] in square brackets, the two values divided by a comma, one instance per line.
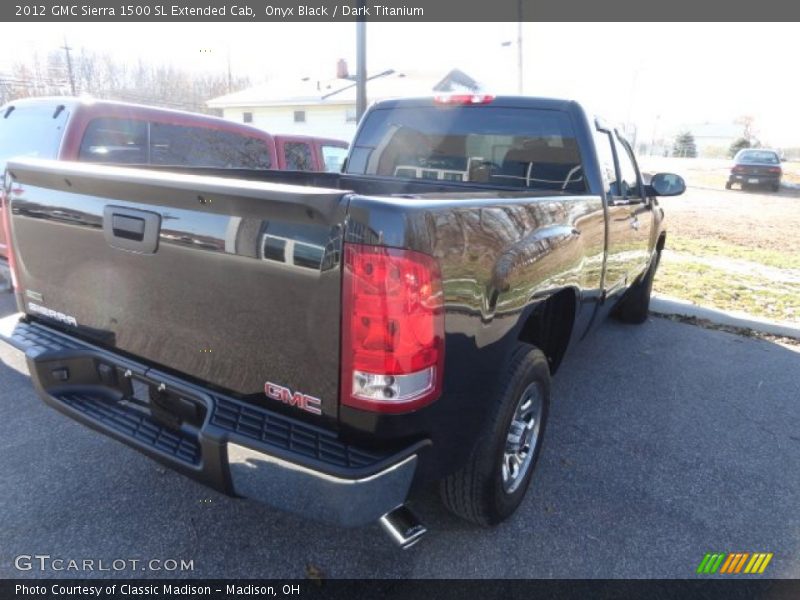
[549, 326]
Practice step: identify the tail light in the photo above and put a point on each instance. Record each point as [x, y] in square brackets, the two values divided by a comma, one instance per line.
[774, 169]
[5, 217]
[392, 329]
[738, 168]
[463, 99]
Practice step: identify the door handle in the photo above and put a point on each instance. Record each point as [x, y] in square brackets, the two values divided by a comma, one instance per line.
[129, 228]
[132, 230]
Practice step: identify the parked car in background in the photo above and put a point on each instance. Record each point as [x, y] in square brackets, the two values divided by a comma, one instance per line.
[118, 133]
[756, 168]
[307, 153]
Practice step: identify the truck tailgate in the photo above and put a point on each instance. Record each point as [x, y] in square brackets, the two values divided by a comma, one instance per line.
[234, 283]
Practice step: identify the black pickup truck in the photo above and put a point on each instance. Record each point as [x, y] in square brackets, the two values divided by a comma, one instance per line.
[328, 342]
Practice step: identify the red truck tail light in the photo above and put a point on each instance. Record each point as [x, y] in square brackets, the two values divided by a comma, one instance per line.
[392, 329]
[5, 222]
[463, 99]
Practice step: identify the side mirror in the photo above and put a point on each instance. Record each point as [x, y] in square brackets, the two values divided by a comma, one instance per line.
[666, 184]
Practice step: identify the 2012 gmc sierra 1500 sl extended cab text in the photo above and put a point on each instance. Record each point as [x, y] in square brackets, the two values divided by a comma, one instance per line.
[327, 342]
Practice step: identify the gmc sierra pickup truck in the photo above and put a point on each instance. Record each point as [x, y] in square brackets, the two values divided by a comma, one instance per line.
[329, 342]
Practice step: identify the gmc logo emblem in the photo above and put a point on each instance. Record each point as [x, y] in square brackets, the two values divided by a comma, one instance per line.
[285, 395]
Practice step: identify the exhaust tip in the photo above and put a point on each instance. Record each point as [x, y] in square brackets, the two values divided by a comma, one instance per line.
[403, 526]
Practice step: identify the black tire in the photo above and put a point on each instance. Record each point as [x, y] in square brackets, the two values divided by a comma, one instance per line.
[635, 304]
[728, 185]
[776, 187]
[477, 492]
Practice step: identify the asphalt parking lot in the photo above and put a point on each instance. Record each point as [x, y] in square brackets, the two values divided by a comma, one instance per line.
[666, 441]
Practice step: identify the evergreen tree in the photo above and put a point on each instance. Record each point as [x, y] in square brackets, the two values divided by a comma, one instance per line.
[684, 145]
[739, 144]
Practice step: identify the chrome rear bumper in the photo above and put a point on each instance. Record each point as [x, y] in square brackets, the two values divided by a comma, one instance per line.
[232, 446]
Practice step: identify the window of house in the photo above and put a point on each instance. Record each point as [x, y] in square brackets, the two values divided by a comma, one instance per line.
[299, 116]
[247, 117]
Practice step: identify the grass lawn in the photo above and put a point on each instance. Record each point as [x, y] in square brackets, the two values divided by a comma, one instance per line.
[733, 250]
[717, 248]
[718, 288]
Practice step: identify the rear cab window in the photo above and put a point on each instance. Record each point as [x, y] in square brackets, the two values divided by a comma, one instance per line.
[33, 130]
[525, 148]
[298, 156]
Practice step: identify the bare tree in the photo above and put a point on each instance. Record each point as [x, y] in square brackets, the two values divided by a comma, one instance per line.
[748, 128]
[104, 77]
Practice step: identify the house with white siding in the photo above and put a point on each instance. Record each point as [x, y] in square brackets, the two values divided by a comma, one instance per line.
[326, 107]
[713, 139]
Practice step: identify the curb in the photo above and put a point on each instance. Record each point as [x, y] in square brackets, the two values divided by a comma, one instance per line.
[785, 187]
[668, 305]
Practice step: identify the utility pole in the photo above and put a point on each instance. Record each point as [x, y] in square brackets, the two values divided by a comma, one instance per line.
[230, 76]
[67, 49]
[520, 83]
[361, 65]
[653, 139]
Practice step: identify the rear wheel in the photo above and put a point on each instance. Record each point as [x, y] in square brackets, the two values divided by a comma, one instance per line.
[728, 185]
[490, 487]
[635, 304]
[776, 187]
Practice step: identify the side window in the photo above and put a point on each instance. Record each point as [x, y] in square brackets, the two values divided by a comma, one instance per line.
[605, 156]
[627, 169]
[120, 141]
[298, 156]
[333, 157]
[179, 145]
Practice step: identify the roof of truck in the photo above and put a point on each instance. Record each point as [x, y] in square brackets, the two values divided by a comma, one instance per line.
[72, 101]
[142, 111]
[491, 100]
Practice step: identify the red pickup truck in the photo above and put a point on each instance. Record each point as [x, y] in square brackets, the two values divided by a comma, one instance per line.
[86, 130]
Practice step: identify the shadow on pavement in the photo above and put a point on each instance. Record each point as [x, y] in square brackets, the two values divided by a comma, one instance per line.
[666, 441]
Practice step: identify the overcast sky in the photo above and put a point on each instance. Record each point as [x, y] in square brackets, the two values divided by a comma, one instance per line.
[659, 75]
